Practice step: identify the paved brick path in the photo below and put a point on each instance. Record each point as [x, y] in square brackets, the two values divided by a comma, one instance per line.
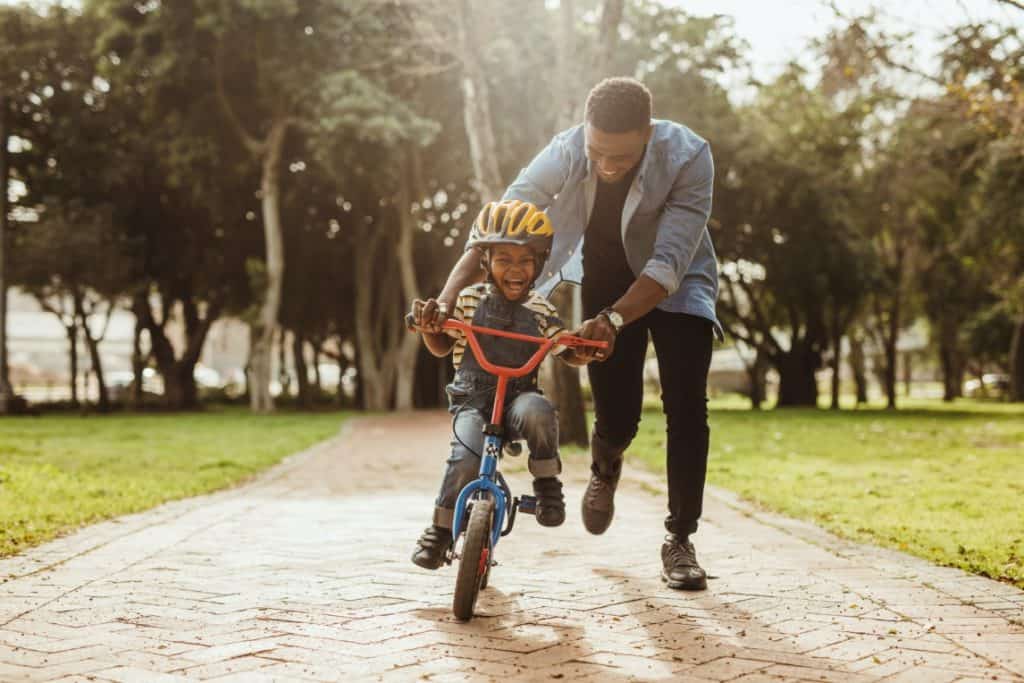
[304, 575]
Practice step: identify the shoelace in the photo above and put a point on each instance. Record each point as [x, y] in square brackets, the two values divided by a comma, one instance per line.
[682, 555]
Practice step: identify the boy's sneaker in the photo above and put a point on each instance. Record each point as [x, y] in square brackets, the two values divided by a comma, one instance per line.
[431, 547]
[680, 569]
[550, 501]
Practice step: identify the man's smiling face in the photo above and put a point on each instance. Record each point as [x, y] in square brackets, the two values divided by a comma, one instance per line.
[512, 269]
[613, 155]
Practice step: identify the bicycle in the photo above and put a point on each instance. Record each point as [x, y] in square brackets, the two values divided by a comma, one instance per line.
[488, 502]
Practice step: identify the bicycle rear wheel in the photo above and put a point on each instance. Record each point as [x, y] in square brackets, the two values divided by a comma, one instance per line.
[475, 561]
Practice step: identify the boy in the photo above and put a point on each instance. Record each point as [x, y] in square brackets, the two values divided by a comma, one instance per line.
[515, 238]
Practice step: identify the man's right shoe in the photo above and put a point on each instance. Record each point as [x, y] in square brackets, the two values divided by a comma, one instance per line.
[680, 569]
[432, 546]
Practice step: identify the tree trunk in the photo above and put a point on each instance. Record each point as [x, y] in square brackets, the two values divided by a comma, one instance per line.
[476, 107]
[318, 385]
[270, 189]
[342, 369]
[837, 356]
[72, 332]
[260, 400]
[376, 370]
[837, 359]
[6, 392]
[92, 344]
[567, 79]
[908, 372]
[858, 369]
[1017, 362]
[890, 358]
[565, 391]
[179, 381]
[180, 387]
[608, 37]
[284, 378]
[408, 348]
[756, 372]
[797, 385]
[301, 370]
[138, 367]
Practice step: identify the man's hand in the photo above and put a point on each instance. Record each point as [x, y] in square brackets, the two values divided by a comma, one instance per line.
[430, 315]
[598, 329]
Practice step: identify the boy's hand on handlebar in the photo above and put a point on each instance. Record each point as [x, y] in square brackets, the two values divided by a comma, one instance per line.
[429, 315]
[598, 329]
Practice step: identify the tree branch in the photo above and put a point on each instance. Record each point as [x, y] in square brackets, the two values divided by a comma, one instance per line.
[759, 316]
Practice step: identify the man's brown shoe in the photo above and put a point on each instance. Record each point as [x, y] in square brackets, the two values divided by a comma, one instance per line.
[599, 501]
[679, 565]
[598, 505]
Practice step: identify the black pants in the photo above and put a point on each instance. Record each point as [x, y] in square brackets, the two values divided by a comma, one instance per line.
[682, 343]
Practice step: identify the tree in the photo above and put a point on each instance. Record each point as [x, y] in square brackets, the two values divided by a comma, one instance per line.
[6, 392]
[787, 292]
[22, 42]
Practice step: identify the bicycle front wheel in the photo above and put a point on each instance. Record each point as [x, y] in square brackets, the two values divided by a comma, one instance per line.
[475, 561]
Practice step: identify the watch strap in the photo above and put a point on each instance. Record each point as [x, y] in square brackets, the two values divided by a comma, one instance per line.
[610, 314]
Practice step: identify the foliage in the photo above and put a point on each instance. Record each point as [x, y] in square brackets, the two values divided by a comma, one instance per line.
[842, 202]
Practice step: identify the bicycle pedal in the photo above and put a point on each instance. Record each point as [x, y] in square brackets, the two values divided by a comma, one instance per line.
[527, 504]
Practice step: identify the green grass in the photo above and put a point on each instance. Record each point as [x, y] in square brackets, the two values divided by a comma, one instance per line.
[945, 483]
[59, 472]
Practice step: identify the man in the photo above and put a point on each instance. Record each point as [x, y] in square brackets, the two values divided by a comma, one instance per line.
[640, 190]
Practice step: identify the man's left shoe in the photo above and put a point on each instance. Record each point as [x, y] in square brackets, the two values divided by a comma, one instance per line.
[550, 501]
[679, 565]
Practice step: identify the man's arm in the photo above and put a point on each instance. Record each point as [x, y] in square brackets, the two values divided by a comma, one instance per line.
[544, 177]
[439, 345]
[683, 222]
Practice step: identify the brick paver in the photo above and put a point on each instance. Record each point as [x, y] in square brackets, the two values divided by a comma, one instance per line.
[304, 575]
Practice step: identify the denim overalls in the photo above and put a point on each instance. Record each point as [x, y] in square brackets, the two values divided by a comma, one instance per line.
[528, 414]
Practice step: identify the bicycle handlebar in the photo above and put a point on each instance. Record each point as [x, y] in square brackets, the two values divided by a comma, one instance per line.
[568, 340]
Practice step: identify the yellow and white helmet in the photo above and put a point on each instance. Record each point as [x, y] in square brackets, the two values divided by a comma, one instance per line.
[513, 222]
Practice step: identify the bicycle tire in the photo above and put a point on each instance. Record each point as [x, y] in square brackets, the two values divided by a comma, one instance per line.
[475, 559]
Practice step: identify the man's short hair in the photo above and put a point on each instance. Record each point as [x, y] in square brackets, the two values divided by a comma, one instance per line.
[619, 105]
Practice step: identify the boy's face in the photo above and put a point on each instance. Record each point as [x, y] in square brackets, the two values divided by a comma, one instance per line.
[512, 269]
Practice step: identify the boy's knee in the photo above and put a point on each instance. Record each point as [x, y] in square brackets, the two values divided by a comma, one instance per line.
[541, 468]
[533, 415]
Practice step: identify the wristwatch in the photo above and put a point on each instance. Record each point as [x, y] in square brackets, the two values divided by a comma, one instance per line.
[614, 317]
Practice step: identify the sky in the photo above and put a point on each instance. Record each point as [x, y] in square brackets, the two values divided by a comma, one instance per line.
[778, 30]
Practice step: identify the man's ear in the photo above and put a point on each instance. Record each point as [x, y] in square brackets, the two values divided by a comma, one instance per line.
[650, 132]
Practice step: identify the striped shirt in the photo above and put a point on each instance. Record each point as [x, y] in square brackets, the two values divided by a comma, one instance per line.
[549, 325]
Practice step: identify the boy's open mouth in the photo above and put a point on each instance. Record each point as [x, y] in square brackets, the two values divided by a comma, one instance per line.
[514, 287]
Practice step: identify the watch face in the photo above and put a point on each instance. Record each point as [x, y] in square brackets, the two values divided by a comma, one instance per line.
[614, 318]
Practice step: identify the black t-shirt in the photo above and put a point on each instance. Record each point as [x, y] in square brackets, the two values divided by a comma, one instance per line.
[606, 272]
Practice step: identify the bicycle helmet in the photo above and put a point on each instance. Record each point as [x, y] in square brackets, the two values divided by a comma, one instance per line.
[513, 222]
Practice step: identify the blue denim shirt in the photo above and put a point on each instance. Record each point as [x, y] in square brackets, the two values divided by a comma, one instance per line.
[664, 220]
